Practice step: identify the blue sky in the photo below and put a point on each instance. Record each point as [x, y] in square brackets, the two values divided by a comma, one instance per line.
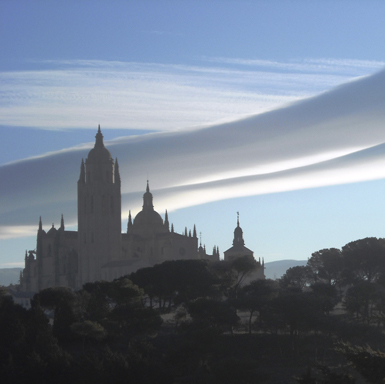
[273, 109]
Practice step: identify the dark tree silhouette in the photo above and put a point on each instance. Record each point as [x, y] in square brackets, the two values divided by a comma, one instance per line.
[364, 260]
[326, 265]
[254, 296]
[298, 277]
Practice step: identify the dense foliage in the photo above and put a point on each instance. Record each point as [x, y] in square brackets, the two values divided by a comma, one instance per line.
[198, 322]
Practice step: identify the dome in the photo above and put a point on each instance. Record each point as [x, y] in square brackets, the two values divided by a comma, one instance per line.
[99, 152]
[148, 217]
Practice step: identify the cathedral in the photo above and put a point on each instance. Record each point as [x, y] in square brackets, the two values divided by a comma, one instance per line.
[99, 250]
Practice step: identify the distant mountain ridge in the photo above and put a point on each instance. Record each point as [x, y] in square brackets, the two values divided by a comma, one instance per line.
[276, 269]
[9, 276]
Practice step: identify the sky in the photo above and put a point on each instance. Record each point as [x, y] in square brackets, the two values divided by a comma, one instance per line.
[273, 109]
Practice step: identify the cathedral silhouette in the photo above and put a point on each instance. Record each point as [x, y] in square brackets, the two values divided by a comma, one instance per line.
[98, 250]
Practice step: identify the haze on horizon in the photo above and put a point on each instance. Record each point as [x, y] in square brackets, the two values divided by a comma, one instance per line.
[279, 140]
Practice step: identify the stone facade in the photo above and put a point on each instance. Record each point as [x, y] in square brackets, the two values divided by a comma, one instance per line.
[98, 250]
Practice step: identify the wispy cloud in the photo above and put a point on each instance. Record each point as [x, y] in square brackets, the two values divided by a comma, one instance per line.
[336, 137]
[322, 65]
[76, 94]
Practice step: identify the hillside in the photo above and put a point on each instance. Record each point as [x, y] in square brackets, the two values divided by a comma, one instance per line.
[275, 269]
[9, 276]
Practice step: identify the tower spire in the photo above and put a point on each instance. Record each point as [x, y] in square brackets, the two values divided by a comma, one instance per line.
[99, 138]
[117, 174]
[147, 199]
[62, 222]
[129, 224]
[166, 223]
[195, 231]
[82, 177]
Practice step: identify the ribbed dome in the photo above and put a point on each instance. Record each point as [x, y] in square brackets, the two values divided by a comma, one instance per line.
[148, 217]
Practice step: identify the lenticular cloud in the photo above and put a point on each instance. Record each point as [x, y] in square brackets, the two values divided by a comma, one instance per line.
[336, 137]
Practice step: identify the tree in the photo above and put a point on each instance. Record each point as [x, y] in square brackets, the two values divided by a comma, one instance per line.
[327, 296]
[88, 330]
[293, 310]
[213, 314]
[243, 266]
[364, 260]
[369, 363]
[254, 296]
[360, 300]
[176, 281]
[64, 303]
[299, 277]
[326, 265]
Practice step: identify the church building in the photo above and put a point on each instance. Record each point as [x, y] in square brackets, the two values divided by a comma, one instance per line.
[239, 250]
[98, 250]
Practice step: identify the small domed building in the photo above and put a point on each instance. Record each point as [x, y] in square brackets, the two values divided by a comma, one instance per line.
[239, 250]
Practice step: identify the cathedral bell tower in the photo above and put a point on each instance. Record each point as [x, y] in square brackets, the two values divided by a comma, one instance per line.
[99, 213]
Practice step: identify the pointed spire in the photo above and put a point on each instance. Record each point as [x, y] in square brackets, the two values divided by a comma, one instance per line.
[129, 224]
[147, 199]
[117, 174]
[217, 250]
[185, 231]
[166, 223]
[195, 231]
[82, 177]
[238, 235]
[99, 138]
[62, 222]
[172, 228]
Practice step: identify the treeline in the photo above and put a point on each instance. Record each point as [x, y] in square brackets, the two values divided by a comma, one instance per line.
[193, 321]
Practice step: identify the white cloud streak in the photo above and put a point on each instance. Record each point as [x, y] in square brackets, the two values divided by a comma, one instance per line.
[334, 138]
[77, 94]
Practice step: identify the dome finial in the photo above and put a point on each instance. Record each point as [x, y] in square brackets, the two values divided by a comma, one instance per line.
[237, 219]
[148, 187]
